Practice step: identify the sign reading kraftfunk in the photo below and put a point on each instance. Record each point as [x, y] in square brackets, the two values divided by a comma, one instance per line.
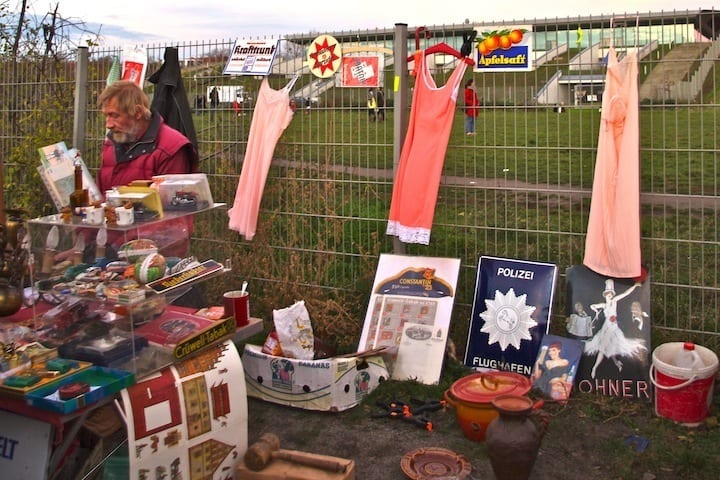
[251, 57]
[511, 314]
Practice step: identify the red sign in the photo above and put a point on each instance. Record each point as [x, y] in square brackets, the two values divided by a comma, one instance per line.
[361, 71]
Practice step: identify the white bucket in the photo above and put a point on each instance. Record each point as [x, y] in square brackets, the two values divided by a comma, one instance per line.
[683, 394]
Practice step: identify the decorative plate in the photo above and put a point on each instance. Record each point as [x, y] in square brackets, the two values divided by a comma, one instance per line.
[431, 462]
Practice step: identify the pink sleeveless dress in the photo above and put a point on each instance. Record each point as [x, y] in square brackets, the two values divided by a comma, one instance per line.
[423, 153]
[271, 117]
[612, 245]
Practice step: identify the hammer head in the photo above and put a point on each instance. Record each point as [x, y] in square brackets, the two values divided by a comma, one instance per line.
[260, 454]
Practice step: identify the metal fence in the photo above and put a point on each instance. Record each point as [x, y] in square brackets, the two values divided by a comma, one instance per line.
[520, 188]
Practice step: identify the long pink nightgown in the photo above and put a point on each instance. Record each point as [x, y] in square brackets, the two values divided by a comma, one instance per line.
[612, 245]
[271, 117]
[421, 160]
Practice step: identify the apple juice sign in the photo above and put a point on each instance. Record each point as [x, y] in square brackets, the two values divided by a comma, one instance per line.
[510, 315]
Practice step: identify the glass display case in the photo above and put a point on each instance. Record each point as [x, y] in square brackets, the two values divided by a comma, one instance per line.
[100, 287]
[102, 304]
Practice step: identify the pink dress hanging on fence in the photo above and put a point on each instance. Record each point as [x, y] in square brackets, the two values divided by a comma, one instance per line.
[612, 245]
[423, 153]
[271, 117]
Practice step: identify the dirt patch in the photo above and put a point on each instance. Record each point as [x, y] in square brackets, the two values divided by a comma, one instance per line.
[575, 446]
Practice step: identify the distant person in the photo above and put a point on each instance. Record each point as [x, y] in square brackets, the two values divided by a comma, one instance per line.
[372, 105]
[472, 104]
[380, 99]
[214, 101]
[236, 105]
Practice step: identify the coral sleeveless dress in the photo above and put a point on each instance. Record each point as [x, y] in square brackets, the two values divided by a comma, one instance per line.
[271, 117]
[612, 245]
[423, 153]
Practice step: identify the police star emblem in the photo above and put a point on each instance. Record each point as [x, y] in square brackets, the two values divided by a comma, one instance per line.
[508, 319]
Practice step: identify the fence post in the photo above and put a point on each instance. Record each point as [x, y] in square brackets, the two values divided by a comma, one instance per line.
[81, 89]
[400, 105]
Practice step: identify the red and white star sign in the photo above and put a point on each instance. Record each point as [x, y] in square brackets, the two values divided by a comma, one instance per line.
[324, 56]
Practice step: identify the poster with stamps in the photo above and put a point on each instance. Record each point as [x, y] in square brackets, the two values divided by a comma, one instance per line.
[511, 314]
[409, 314]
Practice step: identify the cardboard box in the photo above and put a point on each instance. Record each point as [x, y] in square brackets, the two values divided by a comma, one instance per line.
[332, 384]
[285, 470]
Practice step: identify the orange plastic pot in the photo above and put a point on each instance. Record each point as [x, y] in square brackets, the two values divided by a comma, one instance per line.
[472, 396]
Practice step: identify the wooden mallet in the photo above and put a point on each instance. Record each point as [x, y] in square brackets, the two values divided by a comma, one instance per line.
[267, 448]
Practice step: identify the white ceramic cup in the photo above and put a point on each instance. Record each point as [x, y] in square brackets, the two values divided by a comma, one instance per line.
[125, 216]
[95, 216]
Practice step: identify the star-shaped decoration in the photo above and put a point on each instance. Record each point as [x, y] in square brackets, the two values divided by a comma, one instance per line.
[324, 55]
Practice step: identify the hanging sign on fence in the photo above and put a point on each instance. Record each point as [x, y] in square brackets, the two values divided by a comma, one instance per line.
[362, 70]
[251, 57]
[504, 49]
[324, 56]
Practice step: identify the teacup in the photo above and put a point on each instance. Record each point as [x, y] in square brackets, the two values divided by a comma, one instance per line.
[125, 216]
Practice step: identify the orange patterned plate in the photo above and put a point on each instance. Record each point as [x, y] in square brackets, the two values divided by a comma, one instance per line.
[431, 462]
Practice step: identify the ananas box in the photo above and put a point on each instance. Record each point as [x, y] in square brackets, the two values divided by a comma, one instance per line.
[331, 384]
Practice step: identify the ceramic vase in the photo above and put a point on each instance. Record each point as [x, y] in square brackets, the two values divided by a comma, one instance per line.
[513, 438]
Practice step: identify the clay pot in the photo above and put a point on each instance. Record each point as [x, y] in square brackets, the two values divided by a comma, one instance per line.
[513, 438]
[471, 397]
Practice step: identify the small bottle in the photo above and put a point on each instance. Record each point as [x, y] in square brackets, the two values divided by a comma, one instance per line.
[79, 197]
[688, 357]
[571, 375]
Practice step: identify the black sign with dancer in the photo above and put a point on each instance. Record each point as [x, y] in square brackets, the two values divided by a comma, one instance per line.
[611, 316]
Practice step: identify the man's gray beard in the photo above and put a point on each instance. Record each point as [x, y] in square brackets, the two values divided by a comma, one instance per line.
[124, 137]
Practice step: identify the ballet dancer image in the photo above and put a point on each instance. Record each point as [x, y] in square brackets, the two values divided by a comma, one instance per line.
[609, 341]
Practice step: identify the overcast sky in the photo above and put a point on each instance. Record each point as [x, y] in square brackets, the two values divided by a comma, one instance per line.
[151, 21]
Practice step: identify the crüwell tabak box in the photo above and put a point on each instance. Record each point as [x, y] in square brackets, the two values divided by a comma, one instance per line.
[331, 384]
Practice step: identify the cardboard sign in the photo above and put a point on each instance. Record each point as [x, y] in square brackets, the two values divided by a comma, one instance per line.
[361, 71]
[24, 446]
[511, 314]
[409, 313]
[251, 57]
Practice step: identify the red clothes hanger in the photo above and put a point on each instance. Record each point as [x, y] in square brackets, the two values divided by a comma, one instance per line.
[443, 47]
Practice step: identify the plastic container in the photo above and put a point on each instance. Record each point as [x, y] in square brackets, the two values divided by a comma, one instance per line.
[688, 357]
[683, 394]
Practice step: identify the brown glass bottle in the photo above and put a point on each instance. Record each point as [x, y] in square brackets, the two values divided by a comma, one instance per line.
[79, 197]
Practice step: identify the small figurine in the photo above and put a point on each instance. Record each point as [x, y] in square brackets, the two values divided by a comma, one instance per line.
[66, 214]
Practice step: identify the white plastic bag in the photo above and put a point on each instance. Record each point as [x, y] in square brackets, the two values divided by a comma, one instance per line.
[294, 331]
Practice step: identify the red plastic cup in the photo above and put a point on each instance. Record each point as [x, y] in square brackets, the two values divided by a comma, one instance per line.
[237, 304]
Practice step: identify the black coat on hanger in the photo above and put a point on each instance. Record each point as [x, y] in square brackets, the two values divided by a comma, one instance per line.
[170, 99]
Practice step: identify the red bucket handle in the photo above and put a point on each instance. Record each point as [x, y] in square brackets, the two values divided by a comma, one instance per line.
[669, 387]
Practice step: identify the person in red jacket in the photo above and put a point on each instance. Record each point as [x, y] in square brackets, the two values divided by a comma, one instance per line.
[472, 104]
[139, 145]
